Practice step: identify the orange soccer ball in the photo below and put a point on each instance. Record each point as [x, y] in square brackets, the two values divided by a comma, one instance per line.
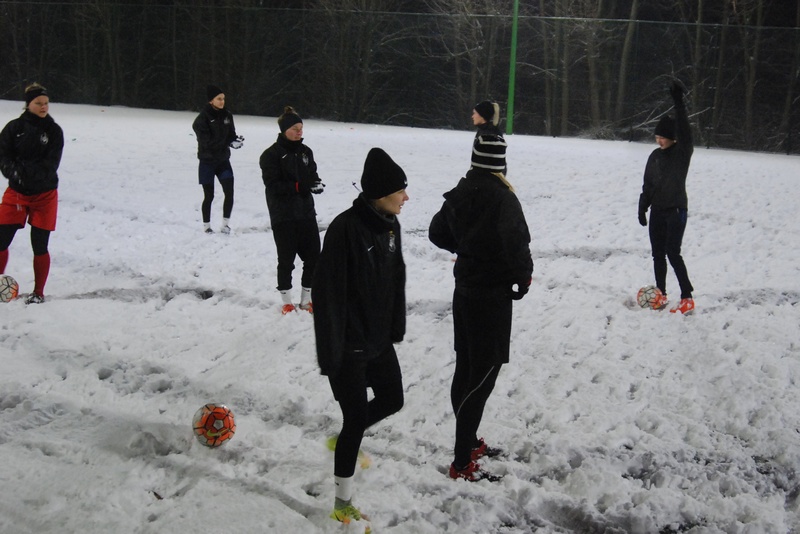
[9, 288]
[648, 296]
[213, 425]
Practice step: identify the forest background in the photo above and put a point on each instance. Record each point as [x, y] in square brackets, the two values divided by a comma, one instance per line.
[589, 68]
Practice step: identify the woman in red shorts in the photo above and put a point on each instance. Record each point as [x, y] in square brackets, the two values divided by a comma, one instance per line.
[30, 152]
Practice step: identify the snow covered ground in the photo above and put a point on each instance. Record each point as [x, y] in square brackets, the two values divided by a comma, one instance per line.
[616, 419]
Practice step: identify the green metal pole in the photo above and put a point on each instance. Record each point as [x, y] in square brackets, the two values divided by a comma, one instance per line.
[512, 71]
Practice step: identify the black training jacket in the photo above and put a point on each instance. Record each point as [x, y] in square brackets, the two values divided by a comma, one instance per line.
[288, 170]
[482, 222]
[665, 174]
[215, 131]
[30, 153]
[359, 287]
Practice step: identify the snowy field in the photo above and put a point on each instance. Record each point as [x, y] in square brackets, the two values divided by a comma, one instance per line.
[615, 419]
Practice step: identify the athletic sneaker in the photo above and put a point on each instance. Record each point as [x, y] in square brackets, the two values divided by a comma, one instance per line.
[685, 306]
[472, 473]
[225, 229]
[287, 308]
[660, 302]
[209, 231]
[33, 298]
[483, 450]
[307, 307]
[350, 513]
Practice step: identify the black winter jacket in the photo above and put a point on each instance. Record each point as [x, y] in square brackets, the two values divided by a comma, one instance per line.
[30, 153]
[289, 171]
[215, 131]
[664, 184]
[482, 222]
[359, 287]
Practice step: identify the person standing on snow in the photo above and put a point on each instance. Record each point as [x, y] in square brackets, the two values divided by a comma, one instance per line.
[489, 146]
[30, 153]
[216, 135]
[290, 178]
[360, 311]
[482, 222]
[664, 192]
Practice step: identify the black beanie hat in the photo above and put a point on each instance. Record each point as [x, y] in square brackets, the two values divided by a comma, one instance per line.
[382, 176]
[666, 127]
[288, 119]
[212, 91]
[34, 91]
[489, 111]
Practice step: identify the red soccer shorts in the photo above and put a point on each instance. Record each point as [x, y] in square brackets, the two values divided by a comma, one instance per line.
[38, 210]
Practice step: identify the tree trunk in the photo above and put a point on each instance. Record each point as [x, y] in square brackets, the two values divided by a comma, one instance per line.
[625, 59]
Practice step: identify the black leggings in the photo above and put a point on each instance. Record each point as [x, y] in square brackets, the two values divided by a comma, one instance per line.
[471, 388]
[40, 238]
[208, 198]
[382, 374]
[666, 238]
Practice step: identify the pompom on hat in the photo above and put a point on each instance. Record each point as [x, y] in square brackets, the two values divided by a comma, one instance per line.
[666, 127]
[212, 91]
[381, 176]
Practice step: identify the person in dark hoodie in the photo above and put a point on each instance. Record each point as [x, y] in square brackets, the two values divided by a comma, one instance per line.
[360, 312]
[482, 222]
[664, 193]
[290, 179]
[30, 153]
[216, 135]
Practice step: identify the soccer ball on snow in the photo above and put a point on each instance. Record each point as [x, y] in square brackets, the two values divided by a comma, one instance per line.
[213, 425]
[9, 288]
[647, 296]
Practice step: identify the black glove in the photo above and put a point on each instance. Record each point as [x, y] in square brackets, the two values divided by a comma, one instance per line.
[677, 90]
[522, 289]
[237, 143]
[642, 218]
[317, 188]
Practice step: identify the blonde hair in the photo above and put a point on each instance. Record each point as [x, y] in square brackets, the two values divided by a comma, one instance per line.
[503, 179]
[35, 85]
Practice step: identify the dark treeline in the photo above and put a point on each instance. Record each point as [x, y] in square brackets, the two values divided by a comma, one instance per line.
[596, 68]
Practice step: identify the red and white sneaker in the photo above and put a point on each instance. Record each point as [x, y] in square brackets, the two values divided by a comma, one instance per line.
[472, 473]
[287, 308]
[483, 450]
[660, 301]
[685, 306]
[308, 307]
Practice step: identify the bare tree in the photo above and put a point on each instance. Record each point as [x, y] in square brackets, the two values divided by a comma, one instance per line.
[750, 17]
[624, 62]
[791, 100]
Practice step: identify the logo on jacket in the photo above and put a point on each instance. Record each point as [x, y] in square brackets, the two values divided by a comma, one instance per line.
[44, 139]
[305, 159]
[391, 241]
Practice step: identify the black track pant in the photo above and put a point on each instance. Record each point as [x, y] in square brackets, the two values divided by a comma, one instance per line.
[482, 326]
[382, 374]
[296, 238]
[666, 237]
